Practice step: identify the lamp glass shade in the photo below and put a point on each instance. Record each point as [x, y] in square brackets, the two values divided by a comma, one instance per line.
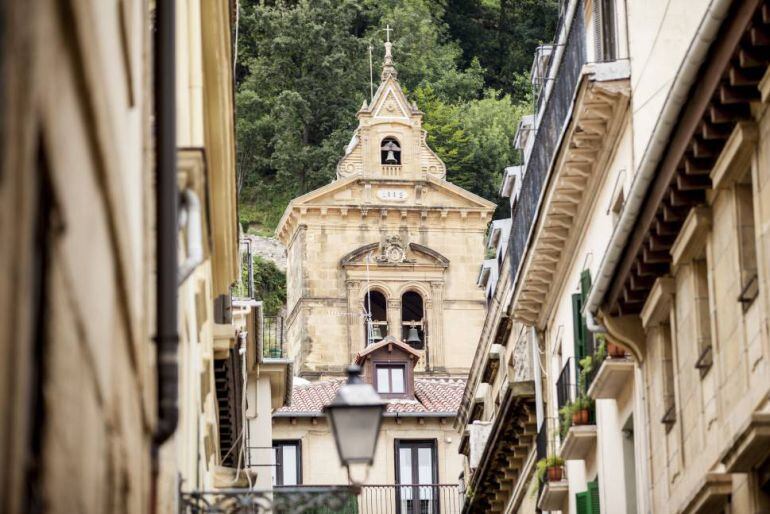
[356, 429]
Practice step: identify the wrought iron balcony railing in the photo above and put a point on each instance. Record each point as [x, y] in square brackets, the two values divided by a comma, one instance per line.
[273, 337]
[410, 499]
[555, 113]
[565, 389]
[371, 499]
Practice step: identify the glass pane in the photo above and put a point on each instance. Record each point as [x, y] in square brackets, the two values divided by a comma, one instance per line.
[274, 461]
[425, 465]
[404, 466]
[397, 380]
[289, 465]
[383, 380]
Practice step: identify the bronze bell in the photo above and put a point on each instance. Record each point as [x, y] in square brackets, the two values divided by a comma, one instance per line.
[413, 337]
[391, 147]
[376, 333]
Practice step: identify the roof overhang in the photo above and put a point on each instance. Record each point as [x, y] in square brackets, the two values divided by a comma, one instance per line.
[599, 108]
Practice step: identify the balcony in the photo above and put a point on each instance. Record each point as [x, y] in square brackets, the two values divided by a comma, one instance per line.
[553, 117]
[576, 131]
[553, 495]
[273, 337]
[611, 378]
[579, 442]
[372, 499]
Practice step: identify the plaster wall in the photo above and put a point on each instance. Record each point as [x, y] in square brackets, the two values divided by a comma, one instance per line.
[318, 447]
[659, 34]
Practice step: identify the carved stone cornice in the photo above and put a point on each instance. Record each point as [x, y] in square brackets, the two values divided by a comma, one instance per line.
[599, 109]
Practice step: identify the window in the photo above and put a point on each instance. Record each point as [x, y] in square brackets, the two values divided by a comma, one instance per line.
[416, 468]
[287, 469]
[667, 357]
[390, 151]
[747, 247]
[391, 379]
[702, 311]
[604, 30]
[412, 324]
[376, 305]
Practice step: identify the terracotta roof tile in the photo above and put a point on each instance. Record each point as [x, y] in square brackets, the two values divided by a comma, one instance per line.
[432, 396]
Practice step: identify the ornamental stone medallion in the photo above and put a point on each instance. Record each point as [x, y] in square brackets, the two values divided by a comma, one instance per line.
[392, 250]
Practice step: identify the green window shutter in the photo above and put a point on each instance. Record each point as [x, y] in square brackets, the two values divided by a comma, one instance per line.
[585, 288]
[593, 496]
[582, 504]
[577, 327]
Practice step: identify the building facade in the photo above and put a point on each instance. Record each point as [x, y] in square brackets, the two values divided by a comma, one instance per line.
[109, 171]
[634, 269]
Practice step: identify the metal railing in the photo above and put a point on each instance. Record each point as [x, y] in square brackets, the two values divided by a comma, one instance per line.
[555, 113]
[244, 287]
[371, 499]
[410, 499]
[565, 385]
[273, 337]
[285, 500]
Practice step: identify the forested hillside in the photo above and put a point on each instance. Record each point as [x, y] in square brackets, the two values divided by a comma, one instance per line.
[303, 72]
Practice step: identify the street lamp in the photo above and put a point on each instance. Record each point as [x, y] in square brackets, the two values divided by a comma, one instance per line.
[355, 416]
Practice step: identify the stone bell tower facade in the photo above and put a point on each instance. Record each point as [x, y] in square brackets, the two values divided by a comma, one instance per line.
[388, 248]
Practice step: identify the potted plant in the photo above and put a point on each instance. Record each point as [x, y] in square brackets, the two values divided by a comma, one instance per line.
[615, 351]
[581, 410]
[549, 469]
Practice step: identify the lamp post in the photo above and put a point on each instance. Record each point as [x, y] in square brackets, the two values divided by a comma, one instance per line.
[355, 416]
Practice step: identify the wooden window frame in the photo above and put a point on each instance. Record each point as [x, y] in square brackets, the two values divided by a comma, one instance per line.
[392, 365]
[414, 445]
[279, 444]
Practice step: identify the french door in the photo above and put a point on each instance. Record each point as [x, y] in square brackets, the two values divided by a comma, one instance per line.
[416, 474]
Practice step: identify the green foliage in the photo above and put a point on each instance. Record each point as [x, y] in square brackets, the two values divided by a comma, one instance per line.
[269, 285]
[541, 469]
[502, 35]
[302, 74]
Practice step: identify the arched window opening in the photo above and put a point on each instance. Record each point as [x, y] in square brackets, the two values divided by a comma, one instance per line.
[390, 151]
[413, 320]
[376, 321]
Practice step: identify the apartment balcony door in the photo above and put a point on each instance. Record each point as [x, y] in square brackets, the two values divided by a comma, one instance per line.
[416, 474]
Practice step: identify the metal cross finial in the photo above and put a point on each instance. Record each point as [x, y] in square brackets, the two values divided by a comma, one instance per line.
[387, 30]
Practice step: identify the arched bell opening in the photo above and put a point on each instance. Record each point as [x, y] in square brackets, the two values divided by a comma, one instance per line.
[413, 320]
[390, 151]
[376, 319]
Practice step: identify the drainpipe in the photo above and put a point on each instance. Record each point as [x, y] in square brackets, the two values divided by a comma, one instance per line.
[592, 325]
[677, 96]
[167, 332]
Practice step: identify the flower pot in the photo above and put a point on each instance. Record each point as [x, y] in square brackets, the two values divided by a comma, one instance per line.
[615, 351]
[555, 473]
[580, 417]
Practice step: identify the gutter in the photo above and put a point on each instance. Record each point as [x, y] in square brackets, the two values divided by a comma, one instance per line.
[677, 97]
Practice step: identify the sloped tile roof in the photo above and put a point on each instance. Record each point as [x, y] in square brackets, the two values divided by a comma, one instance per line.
[432, 396]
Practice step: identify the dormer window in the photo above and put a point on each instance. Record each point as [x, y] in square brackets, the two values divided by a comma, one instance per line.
[390, 379]
[389, 366]
[390, 151]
